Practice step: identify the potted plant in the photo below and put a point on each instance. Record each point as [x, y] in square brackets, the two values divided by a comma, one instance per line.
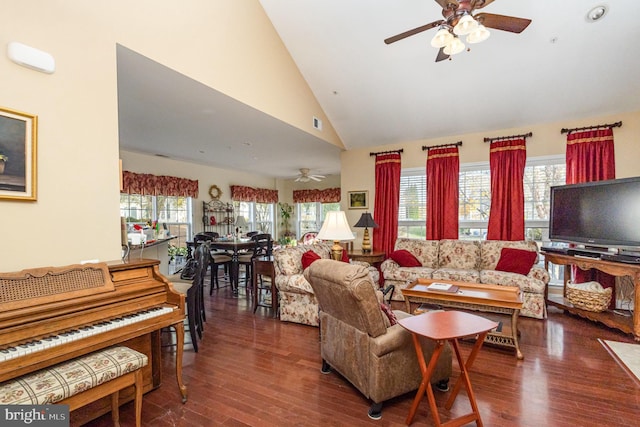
[3, 159]
[285, 214]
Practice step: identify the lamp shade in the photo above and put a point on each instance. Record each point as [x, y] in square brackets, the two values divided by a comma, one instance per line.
[335, 227]
[442, 38]
[241, 221]
[366, 220]
[456, 46]
[479, 35]
[465, 25]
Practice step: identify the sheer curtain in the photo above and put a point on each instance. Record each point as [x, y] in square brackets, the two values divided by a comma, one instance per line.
[388, 168]
[443, 169]
[590, 157]
[506, 162]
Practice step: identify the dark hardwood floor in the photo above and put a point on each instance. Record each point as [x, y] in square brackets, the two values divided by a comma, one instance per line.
[253, 370]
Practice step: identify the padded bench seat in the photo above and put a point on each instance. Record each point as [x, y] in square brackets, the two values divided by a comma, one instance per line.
[81, 381]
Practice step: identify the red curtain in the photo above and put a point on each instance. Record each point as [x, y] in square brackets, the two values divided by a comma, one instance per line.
[153, 185]
[388, 168]
[506, 162]
[443, 169]
[241, 193]
[590, 157]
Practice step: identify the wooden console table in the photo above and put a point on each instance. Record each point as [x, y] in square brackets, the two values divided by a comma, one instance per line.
[629, 325]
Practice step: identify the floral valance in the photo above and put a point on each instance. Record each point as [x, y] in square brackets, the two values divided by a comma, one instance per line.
[240, 193]
[154, 185]
[328, 195]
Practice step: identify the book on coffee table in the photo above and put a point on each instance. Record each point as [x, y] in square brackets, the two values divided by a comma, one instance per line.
[442, 287]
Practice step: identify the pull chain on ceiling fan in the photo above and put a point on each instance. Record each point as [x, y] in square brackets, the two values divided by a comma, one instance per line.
[459, 21]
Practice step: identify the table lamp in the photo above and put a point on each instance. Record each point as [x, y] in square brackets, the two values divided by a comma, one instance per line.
[240, 222]
[366, 220]
[336, 228]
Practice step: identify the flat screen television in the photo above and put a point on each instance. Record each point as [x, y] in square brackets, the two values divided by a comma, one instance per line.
[600, 214]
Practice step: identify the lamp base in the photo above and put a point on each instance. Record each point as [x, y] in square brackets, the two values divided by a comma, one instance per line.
[366, 242]
[336, 251]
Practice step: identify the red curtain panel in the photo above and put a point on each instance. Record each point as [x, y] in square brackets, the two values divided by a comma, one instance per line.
[590, 157]
[388, 168]
[506, 162]
[443, 169]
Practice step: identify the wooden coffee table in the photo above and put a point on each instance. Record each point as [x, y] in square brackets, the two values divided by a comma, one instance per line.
[474, 296]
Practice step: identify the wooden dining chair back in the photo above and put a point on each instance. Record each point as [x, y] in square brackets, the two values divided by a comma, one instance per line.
[262, 249]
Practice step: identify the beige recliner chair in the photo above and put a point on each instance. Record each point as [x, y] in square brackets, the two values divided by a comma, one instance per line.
[358, 341]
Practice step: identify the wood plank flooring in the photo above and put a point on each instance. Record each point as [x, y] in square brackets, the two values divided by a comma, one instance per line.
[253, 370]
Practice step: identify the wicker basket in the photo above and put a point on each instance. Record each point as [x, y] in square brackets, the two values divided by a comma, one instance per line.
[589, 299]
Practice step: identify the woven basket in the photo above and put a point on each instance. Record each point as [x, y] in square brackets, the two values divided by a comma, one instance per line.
[589, 300]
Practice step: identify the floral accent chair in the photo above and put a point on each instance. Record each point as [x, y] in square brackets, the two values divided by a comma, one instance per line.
[298, 303]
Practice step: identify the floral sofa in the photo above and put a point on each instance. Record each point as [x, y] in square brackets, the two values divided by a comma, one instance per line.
[297, 301]
[468, 261]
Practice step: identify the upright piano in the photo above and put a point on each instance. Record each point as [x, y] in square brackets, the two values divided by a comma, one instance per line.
[52, 314]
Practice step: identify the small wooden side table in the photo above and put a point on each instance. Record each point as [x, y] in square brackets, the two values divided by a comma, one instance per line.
[374, 257]
[443, 326]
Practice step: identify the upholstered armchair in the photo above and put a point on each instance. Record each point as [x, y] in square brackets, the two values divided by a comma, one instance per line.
[358, 339]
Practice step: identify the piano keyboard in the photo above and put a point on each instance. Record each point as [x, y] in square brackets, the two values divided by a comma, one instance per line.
[34, 346]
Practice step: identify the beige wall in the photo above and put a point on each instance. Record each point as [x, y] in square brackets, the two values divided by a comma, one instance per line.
[229, 45]
[358, 168]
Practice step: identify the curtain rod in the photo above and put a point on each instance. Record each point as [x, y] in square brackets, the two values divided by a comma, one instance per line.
[610, 125]
[524, 135]
[387, 152]
[453, 144]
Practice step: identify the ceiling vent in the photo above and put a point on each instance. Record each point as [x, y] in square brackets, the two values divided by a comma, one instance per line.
[317, 123]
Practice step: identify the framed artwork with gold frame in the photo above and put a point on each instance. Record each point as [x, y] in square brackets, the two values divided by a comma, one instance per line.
[18, 155]
[358, 199]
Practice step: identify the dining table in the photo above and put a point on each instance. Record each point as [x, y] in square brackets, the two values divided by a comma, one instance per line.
[234, 246]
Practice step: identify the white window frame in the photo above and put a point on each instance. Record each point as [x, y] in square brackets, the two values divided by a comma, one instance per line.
[250, 213]
[321, 210]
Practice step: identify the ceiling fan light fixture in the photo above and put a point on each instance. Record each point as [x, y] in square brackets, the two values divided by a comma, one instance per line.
[479, 35]
[442, 38]
[466, 24]
[456, 46]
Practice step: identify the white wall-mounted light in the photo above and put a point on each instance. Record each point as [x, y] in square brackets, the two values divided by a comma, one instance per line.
[31, 57]
[596, 13]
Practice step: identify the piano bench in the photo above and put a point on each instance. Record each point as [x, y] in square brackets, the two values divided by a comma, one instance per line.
[81, 381]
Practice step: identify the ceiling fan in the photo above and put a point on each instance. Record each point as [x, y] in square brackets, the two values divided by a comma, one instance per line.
[459, 20]
[304, 176]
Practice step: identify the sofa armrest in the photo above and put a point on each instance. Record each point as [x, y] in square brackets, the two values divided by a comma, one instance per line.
[389, 265]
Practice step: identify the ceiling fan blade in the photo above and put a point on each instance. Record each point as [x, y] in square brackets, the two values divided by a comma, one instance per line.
[502, 22]
[479, 4]
[315, 178]
[413, 31]
[445, 3]
[441, 55]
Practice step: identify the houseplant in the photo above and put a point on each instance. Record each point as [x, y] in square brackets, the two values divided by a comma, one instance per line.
[285, 214]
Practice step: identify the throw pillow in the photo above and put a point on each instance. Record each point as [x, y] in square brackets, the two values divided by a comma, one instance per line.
[308, 258]
[516, 260]
[345, 256]
[404, 258]
[390, 314]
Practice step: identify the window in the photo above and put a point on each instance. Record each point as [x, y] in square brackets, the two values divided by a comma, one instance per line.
[475, 198]
[259, 216]
[173, 211]
[311, 215]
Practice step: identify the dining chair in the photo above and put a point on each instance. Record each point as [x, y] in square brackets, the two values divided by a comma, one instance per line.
[217, 258]
[262, 249]
[194, 294]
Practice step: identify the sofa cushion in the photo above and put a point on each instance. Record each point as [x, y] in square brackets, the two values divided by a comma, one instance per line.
[308, 258]
[345, 256]
[516, 260]
[426, 251]
[490, 251]
[404, 258]
[462, 254]
[458, 275]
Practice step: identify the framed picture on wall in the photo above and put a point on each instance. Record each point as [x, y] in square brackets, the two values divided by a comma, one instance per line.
[358, 199]
[18, 142]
